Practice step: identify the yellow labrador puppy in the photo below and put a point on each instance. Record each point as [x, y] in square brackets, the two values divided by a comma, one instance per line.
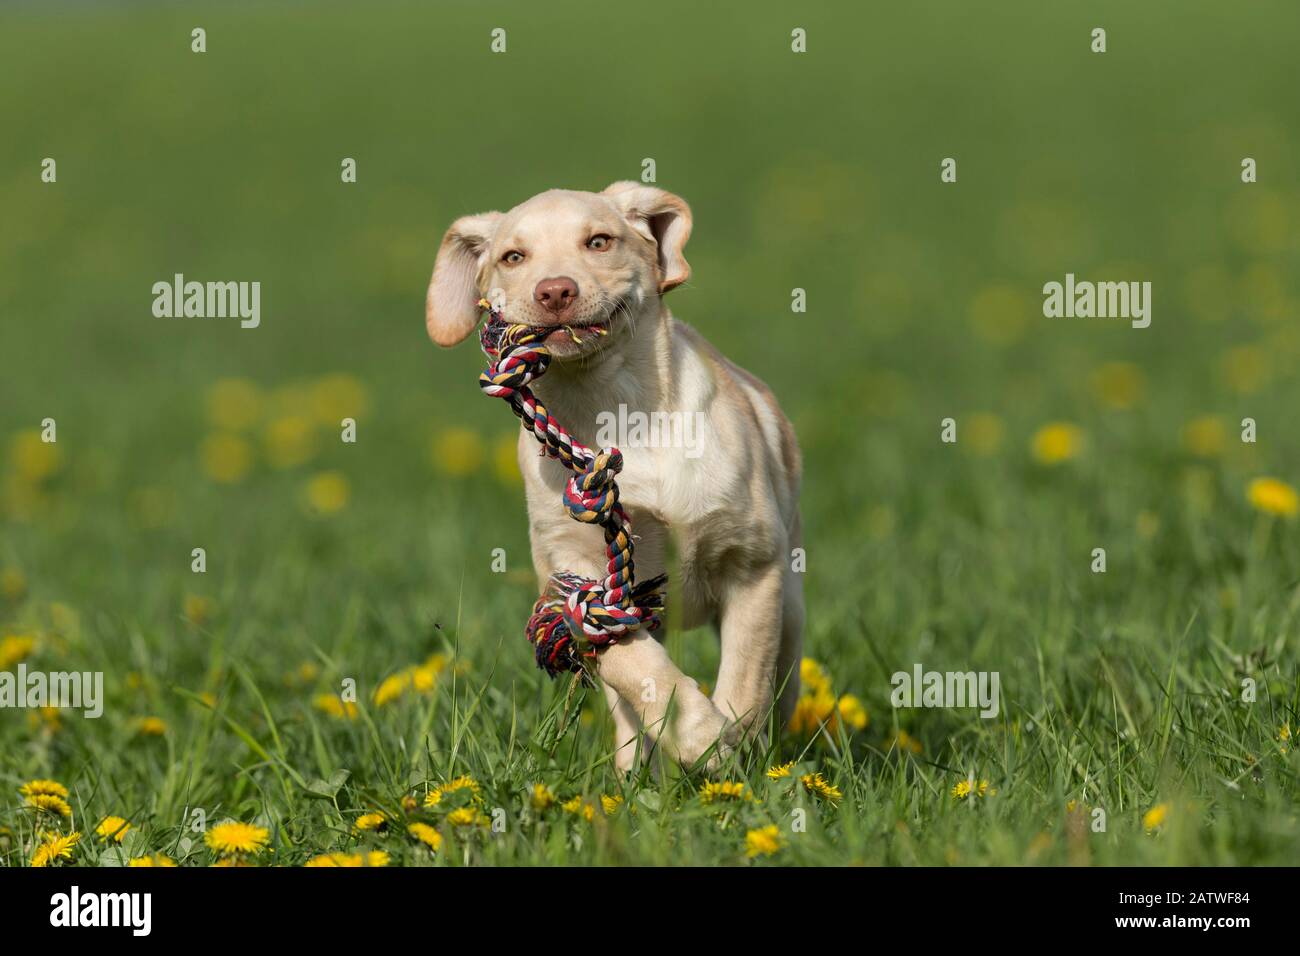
[721, 471]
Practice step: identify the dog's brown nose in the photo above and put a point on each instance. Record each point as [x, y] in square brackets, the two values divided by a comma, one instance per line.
[556, 294]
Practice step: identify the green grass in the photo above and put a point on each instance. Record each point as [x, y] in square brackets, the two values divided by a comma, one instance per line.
[1122, 690]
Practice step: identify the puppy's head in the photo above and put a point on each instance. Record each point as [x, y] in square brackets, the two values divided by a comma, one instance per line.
[574, 260]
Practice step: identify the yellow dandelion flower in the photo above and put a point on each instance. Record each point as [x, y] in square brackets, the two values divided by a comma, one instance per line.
[156, 859]
[962, 790]
[13, 584]
[336, 397]
[724, 790]
[226, 457]
[47, 787]
[765, 841]
[780, 770]
[34, 460]
[112, 828]
[392, 687]
[13, 649]
[578, 807]
[543, 799]
[234, 404]
[335, 706]
[813, 710]
[1273, 497]
[289, 441]
[457, 452]
[375, 858]
[369, 821]
[335, 859]
[966, 788]
[981, 434]
[426, 835]
[466, 817]
[232, 861]
[813, 677]
[197, 609]
[1155, 817]
[1118, 384]
[610, 804]
[464, 782]
[327, 493]
[1056, 442]
[54, 849]
[906, 743]
[852, 712]
[231, 837]
[1205, 437]
[49, 803]
[818, 786]
[153, 726]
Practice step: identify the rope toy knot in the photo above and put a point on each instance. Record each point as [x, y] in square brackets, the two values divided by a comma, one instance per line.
[575, 617]
[591, 496]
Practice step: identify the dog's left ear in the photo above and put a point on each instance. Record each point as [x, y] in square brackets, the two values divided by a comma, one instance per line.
[662, 218]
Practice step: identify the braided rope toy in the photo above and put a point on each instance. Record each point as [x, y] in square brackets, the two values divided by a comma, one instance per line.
[575, 617]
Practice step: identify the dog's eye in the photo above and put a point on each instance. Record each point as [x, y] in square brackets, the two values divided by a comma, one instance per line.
[513, 257]
[600, 242]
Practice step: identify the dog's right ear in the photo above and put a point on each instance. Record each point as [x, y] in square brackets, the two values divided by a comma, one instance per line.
[451, 307]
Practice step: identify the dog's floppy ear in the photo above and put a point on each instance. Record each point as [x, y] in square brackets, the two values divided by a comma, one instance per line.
[450, 308]
[662, 218]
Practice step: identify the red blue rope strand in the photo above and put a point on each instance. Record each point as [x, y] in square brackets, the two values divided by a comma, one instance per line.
[575, 617]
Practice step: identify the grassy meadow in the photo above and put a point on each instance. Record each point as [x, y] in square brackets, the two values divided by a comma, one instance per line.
[367, 565]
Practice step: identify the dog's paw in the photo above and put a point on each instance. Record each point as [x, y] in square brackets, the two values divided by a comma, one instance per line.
[704, 737]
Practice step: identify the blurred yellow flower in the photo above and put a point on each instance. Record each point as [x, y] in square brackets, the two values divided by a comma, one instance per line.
[457, 452]
[153, 726]
[426, 835]
[226, 457]
[780, 770]
[610, 804]
[1246, 369]
[852, 712]
[13, 584]
[1056, 442]
[1155, 817]
[1205, 437]
[906, 743]
[338, 396]
[369, 821]
[764, 841]
[1118, 384]
[335, 706]
[327, 492]
[13, 649]
[234, 404]
[157, 859]
[505, 460]
[1273, 497]
[542, 799]
[197, 609]
[981, 434]
[50, 788]
[289, 441]
[112, 828]
[34, 460]
[579, 807]
[813, 677]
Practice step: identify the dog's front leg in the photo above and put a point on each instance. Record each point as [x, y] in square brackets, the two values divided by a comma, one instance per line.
[671, 707]
[751, 629]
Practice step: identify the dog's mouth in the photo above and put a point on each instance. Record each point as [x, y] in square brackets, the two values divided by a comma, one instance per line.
[584, 333]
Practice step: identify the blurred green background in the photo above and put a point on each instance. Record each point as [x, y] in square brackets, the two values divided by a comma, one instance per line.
[818, 171]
